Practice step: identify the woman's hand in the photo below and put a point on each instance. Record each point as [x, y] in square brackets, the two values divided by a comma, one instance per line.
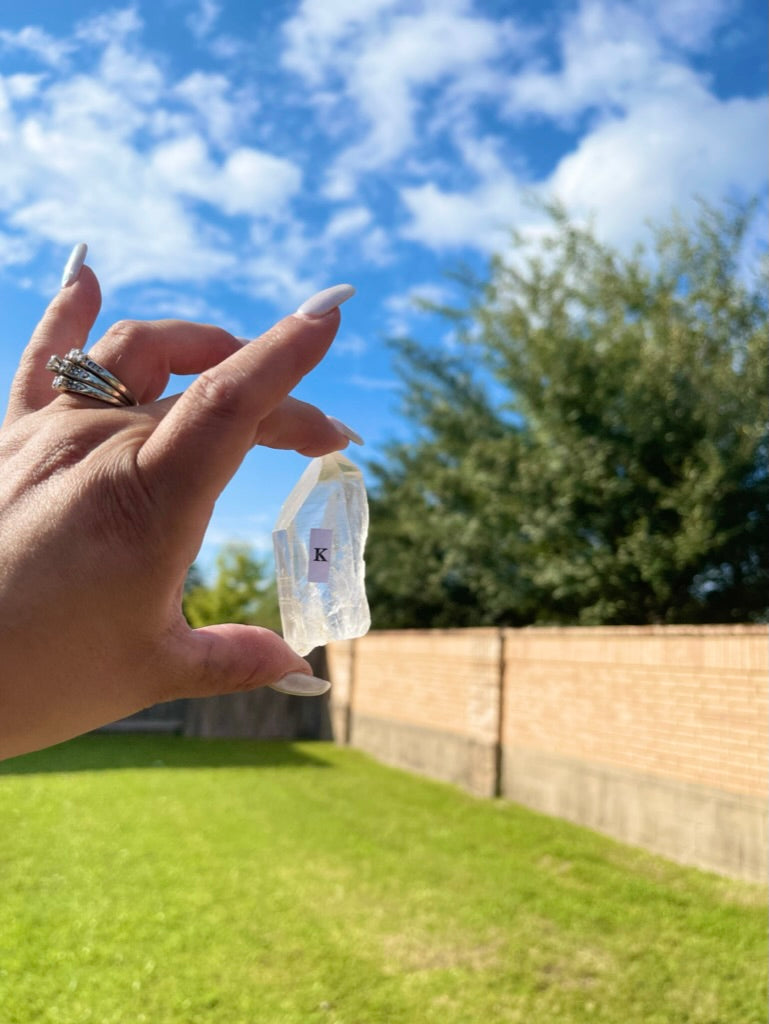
[103, 509]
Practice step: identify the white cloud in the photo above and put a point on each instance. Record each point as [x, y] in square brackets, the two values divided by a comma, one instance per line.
[15, 249]
[611, 57]
[478, 218]
[179, 303]
[247, 182]
[349, 346]
[352, 229]
[314, 33]
[40, 44]
[377, 247]
[388, 75]
[404, 308]
[275, 270]
[110, 27]
[137, 77]
[376, 62]
[364, 383]
[222, 110]
[258, 183]
[350, 221]
[659, 157]
[409, 114]
[656, 137]
[411, 300]
[690, 23]
[20, 87]
[628, 171]
[201, 21]
[125, 158]
[227, 47]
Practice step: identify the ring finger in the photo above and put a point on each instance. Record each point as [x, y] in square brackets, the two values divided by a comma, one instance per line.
[144, 354]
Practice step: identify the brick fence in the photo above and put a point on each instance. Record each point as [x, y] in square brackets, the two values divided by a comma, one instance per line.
[657, 736]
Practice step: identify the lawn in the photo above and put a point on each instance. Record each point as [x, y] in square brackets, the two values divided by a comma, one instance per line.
[180, 881]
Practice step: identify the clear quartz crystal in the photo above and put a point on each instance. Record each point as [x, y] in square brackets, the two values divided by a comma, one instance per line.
[319, 540]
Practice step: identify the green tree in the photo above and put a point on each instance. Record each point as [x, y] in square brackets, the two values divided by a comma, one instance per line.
[241, 592]
[596, 452]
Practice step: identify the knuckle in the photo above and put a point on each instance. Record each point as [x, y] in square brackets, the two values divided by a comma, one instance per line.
[125, 331]
[124, 336]
[220, 395]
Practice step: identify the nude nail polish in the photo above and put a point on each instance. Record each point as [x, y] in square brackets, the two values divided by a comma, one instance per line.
[74, 265]
[349, 433]
[321, 303]
[300, 685]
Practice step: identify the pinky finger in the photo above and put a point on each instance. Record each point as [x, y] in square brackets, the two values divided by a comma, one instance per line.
[298, 426]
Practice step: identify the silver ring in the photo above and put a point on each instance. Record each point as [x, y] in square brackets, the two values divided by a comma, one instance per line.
[71, 372]
[81, 375]
[77, 387]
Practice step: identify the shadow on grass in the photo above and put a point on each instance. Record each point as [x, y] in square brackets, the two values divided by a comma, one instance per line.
[110, 752]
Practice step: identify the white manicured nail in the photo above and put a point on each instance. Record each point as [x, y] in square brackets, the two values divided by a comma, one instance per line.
[323, 302]
[349, 433]
[300, 685]
[74, 265]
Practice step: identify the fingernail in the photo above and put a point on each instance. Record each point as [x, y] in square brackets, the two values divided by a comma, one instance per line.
[74, 265]
[323, 302]
[300, 685]
[348, 432]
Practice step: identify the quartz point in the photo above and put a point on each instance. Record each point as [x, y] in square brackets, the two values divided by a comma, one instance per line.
[319, 540]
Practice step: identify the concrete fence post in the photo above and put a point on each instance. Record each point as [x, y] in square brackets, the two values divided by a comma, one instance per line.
[501, 697]
[351, 687]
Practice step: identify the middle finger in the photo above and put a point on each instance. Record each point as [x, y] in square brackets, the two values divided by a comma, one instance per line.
[144, 354]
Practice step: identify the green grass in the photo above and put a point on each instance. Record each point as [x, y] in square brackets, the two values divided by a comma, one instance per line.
[175, 881]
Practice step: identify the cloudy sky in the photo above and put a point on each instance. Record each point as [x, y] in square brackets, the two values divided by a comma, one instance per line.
[224, 160]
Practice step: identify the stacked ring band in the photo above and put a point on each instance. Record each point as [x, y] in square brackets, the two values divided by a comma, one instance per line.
[78, 373]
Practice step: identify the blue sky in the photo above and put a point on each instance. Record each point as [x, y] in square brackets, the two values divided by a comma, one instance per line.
[226, 160]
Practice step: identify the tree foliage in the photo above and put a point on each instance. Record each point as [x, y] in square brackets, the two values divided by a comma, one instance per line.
[595, 452]
[241, 591]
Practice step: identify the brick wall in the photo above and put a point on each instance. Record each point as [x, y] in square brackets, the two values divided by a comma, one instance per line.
[686, 704]
[656, 735]
[424, 699]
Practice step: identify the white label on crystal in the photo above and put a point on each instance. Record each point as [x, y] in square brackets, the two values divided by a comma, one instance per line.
[319, 561]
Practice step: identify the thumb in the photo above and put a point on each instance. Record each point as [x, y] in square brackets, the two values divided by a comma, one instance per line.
[232, 658]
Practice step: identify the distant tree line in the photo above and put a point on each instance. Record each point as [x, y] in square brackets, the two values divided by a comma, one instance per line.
[242, 590]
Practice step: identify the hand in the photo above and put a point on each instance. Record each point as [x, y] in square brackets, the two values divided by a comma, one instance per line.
[103, 509]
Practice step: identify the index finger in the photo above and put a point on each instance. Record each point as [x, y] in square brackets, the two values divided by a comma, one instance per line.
[196, 449]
